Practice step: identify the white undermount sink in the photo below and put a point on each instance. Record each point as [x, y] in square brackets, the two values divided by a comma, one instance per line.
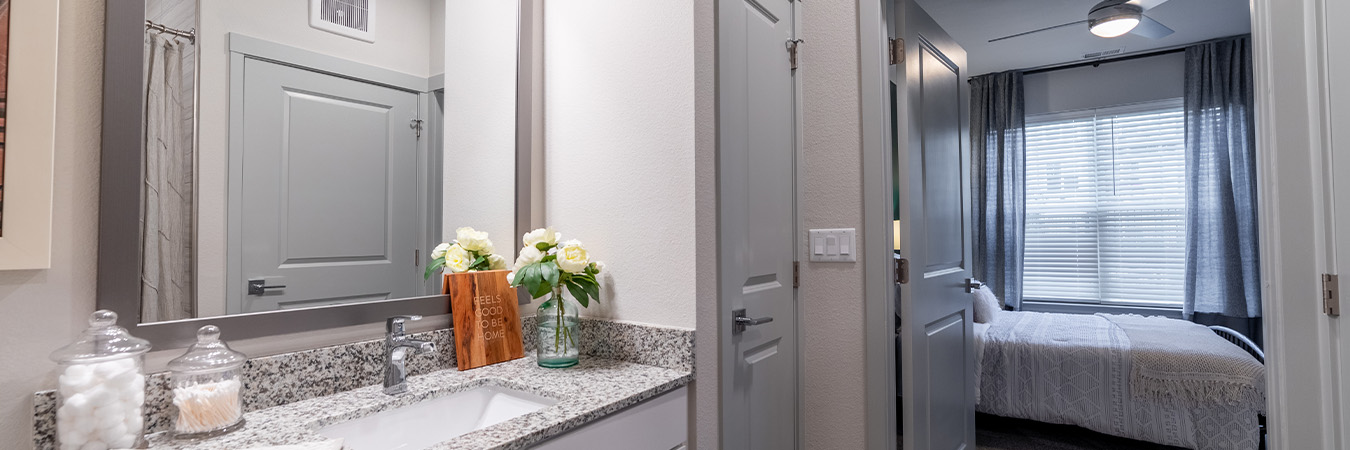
[426, 423]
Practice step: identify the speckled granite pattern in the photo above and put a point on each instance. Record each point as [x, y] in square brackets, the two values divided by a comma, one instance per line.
[643, 344]
[299, 376]
[586, 392]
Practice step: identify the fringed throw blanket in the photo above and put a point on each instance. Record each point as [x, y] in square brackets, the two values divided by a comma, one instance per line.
[1077, 369]
[1172, 358]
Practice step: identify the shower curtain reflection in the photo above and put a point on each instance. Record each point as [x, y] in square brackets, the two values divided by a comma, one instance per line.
[166, 204]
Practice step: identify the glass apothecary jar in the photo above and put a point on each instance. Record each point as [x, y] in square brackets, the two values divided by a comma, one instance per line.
[101, 387]
[208, 387]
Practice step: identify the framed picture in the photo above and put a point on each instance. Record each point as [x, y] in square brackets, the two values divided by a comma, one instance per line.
[27, 131]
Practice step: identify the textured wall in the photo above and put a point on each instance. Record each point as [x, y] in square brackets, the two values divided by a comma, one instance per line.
[619, 149]
[43, 309]
[1137, 80]
[831, 294]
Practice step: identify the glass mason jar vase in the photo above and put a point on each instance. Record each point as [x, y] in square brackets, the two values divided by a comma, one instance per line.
[102, 387]
[558, 334]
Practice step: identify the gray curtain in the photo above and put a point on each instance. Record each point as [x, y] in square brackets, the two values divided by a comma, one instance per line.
[166, 214]
[1223, 285]
[998, 181]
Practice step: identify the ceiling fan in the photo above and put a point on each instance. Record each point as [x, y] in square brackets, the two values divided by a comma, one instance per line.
[1112, 18]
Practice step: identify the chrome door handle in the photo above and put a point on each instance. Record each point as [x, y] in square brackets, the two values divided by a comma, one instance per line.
[259, 287]
[972, 284]
[740, 321]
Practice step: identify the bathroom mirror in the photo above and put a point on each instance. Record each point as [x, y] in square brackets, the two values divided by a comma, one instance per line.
[302, 158]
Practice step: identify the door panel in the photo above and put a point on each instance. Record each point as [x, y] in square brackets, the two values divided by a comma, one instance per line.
[757, 224]
[328, 196]
[933, 195]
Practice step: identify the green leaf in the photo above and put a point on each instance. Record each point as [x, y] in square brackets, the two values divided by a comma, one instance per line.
[540, 290]
[478, 262]
[435, 265]
[549, 258]
[579, 293]
[592, 288]
[550, 272]
[527, 276]
[543, 246]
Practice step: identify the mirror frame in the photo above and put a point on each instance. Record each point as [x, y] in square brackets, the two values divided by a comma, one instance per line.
[118, 279]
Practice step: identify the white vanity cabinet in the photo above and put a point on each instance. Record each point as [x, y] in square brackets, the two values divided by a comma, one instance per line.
[661, 423]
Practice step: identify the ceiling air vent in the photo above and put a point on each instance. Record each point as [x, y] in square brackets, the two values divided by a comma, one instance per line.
[1102, 54]
[351, 18]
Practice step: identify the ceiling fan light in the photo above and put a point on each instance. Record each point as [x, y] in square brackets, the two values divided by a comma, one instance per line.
[1113, 18]
[1114, 26]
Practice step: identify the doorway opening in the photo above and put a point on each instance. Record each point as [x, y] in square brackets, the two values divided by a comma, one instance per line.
[1051, 187]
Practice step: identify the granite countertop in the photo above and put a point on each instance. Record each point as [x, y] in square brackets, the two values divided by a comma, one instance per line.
[593, 389]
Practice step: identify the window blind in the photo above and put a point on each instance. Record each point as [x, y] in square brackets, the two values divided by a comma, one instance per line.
[1106, 205]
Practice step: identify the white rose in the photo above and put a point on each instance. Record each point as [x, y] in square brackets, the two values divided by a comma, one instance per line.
[528, 255]
[496, 262]
[511, 277]
[546, 235]
[573, 257]
[473, 240]
[457, 259]
[599, 266]
[439, 251]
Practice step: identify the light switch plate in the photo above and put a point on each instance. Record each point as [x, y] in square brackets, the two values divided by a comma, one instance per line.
[833, 245]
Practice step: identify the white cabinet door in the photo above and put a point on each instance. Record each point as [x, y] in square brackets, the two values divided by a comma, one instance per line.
[661, 423]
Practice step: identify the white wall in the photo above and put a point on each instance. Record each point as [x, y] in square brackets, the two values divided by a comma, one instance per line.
[619, 158]
[403, 31]
[480, 121]
[831, 294]
[44, 309]
[1138, 80]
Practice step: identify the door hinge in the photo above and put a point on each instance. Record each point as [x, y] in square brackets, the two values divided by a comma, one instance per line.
[796, 274]
[1331, 294]
[792, 51]
[902, 270]
[895, 50]
[417, 257]
[416, 125]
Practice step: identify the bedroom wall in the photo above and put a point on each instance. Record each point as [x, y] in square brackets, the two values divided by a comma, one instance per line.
[1118, 83]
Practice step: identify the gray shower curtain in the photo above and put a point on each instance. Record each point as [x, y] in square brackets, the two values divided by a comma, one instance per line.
[1223, 285]
[998, 182]
[166, 203]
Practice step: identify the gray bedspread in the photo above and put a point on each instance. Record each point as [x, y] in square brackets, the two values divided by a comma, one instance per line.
[1076, 369]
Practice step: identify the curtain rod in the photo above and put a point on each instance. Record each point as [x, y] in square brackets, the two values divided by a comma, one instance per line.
[1099, 62]
[191, 35]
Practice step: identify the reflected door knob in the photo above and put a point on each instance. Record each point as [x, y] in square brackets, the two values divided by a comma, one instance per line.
[741, 321]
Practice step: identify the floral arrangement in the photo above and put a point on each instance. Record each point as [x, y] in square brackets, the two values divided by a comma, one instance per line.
[471, 251]
[545, 265]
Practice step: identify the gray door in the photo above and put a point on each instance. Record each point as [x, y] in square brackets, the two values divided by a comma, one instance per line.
[757, 224]
[932, 180]
[328, 190]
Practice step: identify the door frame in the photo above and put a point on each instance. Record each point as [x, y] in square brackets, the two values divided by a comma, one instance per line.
[1289, 277]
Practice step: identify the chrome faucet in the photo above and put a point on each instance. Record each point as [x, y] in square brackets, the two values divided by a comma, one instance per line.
[396, 348]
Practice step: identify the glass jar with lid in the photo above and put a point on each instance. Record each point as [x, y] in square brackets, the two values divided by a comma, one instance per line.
[208, 387]
[101, 387]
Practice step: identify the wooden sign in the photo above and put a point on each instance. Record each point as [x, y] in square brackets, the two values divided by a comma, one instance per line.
[486, 318]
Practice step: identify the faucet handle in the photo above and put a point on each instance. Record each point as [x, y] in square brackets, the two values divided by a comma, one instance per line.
[394, 325]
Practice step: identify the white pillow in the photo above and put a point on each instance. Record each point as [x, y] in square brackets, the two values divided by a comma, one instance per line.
[986, 305]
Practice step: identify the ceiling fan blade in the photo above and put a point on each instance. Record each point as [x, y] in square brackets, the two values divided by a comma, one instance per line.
[1147, 4]
[1037, 31]
[1150, 28]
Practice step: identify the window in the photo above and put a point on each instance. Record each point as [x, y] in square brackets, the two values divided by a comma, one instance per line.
[1106, 205]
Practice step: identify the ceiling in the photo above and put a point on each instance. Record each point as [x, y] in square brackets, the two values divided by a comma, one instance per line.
[974, 22]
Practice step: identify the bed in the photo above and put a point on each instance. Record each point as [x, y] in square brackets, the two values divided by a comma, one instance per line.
[1152, 379]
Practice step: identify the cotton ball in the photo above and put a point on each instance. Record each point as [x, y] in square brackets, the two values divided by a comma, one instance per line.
[81, 424]
[125, 380]
[126, 441]
[135, 419]
[79, 371]
[65, 446]
[113, 434]
[94, 446]
[110, 369]
[69, 438]
[100, 396]
[75, 381]
[108, 416]
[78, 404]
